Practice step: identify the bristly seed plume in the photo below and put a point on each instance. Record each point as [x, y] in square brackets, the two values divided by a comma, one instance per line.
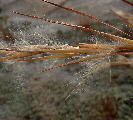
[93, 51]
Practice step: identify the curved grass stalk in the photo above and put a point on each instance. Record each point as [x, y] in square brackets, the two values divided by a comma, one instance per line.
[113, 64]
[128, 2]
[89, 16]
[87, 58]
[18, 55]
[118, 38]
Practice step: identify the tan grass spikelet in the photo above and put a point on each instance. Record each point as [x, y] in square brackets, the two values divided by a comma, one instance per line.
[21, 53]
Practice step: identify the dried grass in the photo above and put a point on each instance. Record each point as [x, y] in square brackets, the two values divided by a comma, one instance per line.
[93, 51]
